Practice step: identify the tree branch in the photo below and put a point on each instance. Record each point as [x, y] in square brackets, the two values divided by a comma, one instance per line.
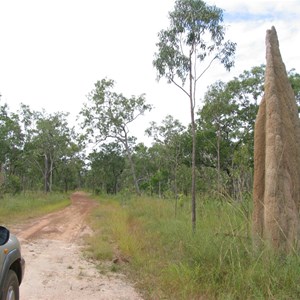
[180, 87]
[134, 117]
[206, 68]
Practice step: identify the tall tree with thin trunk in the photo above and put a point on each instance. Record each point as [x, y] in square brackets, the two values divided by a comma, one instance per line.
[186, 50]
[108, 114]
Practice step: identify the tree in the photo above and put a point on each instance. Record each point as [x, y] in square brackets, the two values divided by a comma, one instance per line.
[48, 142]
[226, 127]
[108, 115]
[194, 39]
[11, 142]
[146, 165]
[169, 134]
[106, 167]
[69, 166]
[218, 120]
[295, 82]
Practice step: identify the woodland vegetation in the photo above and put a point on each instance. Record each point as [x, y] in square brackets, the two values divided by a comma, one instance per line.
[212, 155]
[41, 151]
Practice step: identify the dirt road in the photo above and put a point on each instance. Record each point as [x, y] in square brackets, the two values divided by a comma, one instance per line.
[55, 267]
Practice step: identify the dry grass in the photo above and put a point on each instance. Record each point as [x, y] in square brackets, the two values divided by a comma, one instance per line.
[168, 261]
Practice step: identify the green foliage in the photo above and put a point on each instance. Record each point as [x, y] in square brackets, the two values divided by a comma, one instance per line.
[106, 167]
[11, 136]
[194, 38]
[49, 143]
[34, 146]
[226, 129]
[168, 158]
[13, 185]
[295, 83]
[195, 31]
[108, 114]
[40, 151]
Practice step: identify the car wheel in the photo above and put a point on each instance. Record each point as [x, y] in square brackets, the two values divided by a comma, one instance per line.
[11, 287]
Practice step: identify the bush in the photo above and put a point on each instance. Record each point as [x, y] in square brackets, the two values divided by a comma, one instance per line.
[13, 185]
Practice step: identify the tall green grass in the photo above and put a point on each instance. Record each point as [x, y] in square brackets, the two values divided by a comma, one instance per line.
[168, 261]
[28, 205]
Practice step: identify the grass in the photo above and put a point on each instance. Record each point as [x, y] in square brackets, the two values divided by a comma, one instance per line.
[29, 205]
[168, 261]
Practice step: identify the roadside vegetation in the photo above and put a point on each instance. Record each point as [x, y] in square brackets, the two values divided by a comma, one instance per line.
[20, 207]
[198, 245]
[159, 252]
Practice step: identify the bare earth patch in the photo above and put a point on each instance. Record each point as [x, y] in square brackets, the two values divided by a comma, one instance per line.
[55, 267]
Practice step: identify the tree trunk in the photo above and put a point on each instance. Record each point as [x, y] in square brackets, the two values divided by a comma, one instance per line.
[51, 174]
[193, 171]
[175, 185]
[218, 161]
[2, 180]
[159, 189]
[137, 189]
[192, 100]
[46, 174]
[66, 185]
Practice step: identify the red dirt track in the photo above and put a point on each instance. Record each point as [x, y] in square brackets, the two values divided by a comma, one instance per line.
[55, 266]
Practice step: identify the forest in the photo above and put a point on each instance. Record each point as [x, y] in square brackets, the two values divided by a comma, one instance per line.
[41, 151]
[212, 155]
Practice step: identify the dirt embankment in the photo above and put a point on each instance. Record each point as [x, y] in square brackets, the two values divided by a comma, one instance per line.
[55, 267]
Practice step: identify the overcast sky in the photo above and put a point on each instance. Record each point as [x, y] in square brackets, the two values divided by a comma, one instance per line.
[52, 52]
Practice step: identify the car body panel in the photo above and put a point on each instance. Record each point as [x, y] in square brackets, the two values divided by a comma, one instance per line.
[11, 259]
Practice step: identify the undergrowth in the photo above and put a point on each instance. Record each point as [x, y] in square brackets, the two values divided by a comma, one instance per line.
[28, 205]
[168, 261]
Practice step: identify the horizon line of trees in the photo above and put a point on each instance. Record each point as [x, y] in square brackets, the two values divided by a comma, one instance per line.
[40, 151]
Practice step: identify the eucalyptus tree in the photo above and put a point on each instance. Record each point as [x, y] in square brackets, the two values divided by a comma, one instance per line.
[107, 115]
[160, 175]
[49, 141]
[106, 166]
[246, 91]
[169, 134]
[146, 166]
[294, 78]
[227, 122]
[69, 166]
[186, 50]
[11, 142]
[218, 125]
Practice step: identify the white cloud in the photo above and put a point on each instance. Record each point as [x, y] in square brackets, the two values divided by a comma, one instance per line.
[258, 7]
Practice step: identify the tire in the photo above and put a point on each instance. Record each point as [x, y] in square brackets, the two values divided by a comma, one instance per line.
[11, 286]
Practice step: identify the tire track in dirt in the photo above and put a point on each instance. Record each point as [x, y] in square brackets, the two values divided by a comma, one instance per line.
[55, 267]
[65, 224]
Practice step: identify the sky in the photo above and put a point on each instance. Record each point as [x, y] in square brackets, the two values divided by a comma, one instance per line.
[53, 52]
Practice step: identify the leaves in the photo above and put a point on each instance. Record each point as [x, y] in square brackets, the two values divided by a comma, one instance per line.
[108, 114]
[195, 34]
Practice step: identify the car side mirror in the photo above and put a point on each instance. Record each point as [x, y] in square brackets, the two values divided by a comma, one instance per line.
[4, 235]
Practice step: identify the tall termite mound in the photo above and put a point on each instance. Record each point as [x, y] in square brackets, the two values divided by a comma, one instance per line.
[276, 191]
